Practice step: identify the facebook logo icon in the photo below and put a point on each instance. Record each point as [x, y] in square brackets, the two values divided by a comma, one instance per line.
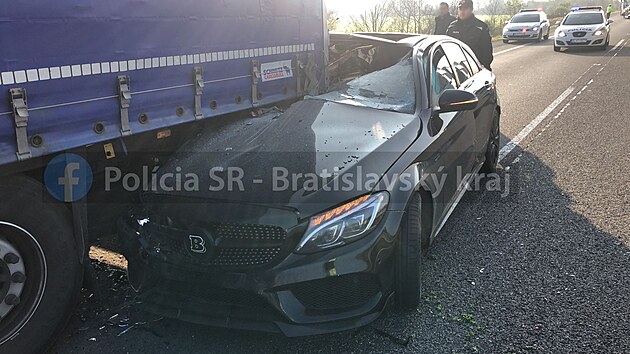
[68, 177]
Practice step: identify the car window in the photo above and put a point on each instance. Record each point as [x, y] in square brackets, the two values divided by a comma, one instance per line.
[442, 77]
[578, 19]
[526, 18]
[474, 66]
[458, 61]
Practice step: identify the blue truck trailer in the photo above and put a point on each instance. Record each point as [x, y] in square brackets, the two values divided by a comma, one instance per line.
[85, 84]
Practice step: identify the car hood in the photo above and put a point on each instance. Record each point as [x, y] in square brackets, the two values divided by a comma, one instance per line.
[286, 159]
[580, 28]
[519, 26]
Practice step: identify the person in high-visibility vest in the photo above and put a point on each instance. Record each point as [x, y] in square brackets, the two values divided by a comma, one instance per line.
[609, 11]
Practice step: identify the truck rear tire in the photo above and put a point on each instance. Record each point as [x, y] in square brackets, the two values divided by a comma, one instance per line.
[40, 272]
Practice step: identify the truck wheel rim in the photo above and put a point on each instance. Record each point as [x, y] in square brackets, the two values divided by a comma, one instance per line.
[23, 276]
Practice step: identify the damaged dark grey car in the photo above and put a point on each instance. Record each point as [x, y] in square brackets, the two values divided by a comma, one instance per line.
[313, 219]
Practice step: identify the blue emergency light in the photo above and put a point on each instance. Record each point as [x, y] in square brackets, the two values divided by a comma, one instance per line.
[582, 8]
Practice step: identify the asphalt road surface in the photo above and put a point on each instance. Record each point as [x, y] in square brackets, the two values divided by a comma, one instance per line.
[544, 268]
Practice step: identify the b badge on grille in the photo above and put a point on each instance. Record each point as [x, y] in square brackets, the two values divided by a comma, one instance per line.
[197, 244]
[200, 244]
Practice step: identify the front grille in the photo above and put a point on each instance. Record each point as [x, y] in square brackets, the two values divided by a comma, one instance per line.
[579, 34]
[240, 246]
[584, 43]
[245, 256]
[337, 293]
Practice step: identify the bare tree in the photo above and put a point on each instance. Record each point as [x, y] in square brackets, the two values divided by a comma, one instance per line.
[513, 6]
[406, 15]
[373, 20]
[411, 16]
[332, 20]
[494, 10]
[453, 7]
[426, 19]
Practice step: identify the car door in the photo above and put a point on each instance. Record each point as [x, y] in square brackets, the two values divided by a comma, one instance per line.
[456, 142]
[481, 83]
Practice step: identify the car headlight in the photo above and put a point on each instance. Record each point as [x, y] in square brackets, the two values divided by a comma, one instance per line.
[598, 33]
[534, 29]
[561, 34]
[344, 224]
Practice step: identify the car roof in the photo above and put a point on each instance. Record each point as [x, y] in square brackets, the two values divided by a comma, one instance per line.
[585, 12]
[402, 39]
[536, 10]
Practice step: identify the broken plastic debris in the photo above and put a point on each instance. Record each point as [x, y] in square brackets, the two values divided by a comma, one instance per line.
[131, 327]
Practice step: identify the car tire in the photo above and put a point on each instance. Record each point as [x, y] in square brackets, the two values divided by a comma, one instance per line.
[506, 41]
[492, 150]
[39, 232]
[556, 48]
[408, 285]
[547, 35]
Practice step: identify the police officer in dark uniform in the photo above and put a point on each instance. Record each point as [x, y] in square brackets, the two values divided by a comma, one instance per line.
[443, 20]
[472, 31]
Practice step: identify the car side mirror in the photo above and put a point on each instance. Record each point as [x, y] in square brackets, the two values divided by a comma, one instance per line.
[457, 101]
[506, 22]
[558, 23]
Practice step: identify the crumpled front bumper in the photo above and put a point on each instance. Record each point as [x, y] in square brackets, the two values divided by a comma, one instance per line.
[329, 291]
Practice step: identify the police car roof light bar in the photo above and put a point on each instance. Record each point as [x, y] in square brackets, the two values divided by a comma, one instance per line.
[531, 10]
[585, 8]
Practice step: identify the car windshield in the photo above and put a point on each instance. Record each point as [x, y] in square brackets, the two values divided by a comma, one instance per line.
[389, 89]
[584, 19]
[526, 18]
[369, 74]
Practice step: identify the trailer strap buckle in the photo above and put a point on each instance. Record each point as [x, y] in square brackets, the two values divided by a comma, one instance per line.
[255, 79]
[124, 94]
[307, 81]
[20, 114]
[199, 85]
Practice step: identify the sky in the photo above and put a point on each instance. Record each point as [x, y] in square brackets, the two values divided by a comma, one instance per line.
[356, 7]
[350, 7]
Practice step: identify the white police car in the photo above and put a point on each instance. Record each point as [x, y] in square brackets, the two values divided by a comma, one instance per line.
[584, 26]
[527, 24]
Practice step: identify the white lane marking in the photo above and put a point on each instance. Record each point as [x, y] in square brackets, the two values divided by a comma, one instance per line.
[511, 49]
[533, 124]
[517, 47]
[505, 150]
[617, 46]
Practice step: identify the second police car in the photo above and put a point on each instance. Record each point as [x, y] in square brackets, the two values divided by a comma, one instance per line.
[584, 26]
[527, 24]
